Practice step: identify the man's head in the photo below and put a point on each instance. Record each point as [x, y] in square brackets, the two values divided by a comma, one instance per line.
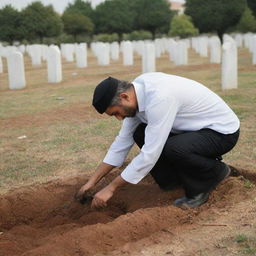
[115, 98]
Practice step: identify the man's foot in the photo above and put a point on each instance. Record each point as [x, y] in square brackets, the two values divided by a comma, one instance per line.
[199, 199]
[187, 203]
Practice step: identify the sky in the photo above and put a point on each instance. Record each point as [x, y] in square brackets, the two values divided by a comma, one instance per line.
[59, 5]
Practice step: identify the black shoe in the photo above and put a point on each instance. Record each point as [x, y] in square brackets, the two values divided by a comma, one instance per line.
[185, 202]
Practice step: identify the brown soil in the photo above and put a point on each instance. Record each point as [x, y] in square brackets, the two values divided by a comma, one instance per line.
[73, 113]
[139, 220]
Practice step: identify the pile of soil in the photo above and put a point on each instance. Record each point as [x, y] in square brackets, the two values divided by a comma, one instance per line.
[46, 220]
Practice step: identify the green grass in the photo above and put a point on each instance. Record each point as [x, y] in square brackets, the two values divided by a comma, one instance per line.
[247, 244]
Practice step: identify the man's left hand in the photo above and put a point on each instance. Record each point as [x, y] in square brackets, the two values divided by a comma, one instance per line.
[100, 199]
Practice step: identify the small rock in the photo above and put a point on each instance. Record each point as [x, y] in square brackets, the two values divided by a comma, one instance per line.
[22, 137]
[59, 98]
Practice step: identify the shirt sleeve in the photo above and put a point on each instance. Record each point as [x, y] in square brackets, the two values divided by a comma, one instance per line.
[160, 117]
[122, 144]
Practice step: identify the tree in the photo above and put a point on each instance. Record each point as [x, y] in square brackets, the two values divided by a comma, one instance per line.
[114, 16]
[40, 21]
[76, 24]
[215, 15]
[81, 7]
[182, 26]
[247, 22]
[10, 24]
[252, 6]
[152, 15]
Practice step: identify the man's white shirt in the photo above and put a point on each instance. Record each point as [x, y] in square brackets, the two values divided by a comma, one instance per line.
[167, 103]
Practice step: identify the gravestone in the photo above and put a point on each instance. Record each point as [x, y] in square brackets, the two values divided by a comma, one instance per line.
[127, 53]
[67, 51]
[181, 54]
[229, 64]
[172, 50]
[148, 58]
[254, 51]
[239, 40]
[35, 53]
[103, 54]
[54, 65]
[1, 65]
[81, 55]
[114, 50]
[203, 46]
[16, 71]
[215, 49]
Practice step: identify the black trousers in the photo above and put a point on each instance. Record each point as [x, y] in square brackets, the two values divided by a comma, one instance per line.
[191, 159]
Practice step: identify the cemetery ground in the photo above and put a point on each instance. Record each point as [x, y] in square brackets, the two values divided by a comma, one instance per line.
[52, 139]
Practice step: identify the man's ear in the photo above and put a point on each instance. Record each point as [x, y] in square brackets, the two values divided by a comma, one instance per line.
[124, 96]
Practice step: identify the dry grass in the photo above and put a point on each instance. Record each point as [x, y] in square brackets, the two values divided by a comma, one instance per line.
[65, 136]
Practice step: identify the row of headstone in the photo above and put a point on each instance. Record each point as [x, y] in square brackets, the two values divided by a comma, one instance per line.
[148, 50]
[16, 70]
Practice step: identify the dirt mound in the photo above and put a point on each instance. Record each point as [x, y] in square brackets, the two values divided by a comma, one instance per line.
[46, 220]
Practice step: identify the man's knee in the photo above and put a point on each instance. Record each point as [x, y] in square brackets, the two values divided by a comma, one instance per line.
[174, 150]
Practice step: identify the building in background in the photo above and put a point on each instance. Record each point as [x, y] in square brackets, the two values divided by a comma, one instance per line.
[177, 5]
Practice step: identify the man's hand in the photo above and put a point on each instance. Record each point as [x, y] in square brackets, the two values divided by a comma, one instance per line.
[83, 190]
[100, 199]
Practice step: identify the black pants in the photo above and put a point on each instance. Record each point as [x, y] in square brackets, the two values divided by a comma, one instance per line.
[192, 159]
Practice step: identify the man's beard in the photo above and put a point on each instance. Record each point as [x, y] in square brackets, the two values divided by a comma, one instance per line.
[129, 112]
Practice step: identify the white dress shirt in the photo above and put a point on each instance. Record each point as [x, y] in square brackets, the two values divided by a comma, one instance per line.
[167, 103]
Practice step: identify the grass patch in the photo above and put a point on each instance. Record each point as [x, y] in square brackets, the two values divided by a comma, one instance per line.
[247, 244]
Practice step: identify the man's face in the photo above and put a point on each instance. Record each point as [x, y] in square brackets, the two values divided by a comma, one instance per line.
[121, 111]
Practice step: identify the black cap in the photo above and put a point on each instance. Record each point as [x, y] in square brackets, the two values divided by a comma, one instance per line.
[104, 93]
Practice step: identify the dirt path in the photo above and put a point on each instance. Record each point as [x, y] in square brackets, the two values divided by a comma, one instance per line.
[140, 220]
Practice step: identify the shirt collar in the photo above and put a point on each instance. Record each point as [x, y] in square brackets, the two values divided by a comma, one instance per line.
[139, 91]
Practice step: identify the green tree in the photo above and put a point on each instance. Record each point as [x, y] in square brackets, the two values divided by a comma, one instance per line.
[81, 7]
[152, 15]
[10, 24]
[252, 6]
[247, 22]
[215, 15]
[75, 24]
[39, 21]
[182, 26]
[114, 16]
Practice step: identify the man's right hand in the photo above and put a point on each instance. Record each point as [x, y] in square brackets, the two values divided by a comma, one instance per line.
[83, 191]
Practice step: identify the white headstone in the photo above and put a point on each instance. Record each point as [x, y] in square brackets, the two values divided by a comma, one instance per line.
[114, 50]
[35, 53]
[67, 51]
[54, 65]
[1, 65]
[81, 55]
[16, 71]
[239, 40]
[172, 49]
[149, 58]
[103, 54]
[203, 46]
[181, 57]
[127, 53]
[215, 49]
[254, 51]
[229, 64]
